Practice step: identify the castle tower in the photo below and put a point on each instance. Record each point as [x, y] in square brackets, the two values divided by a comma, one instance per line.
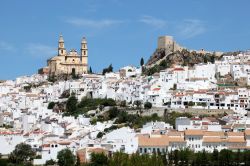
[61, 48]
[166, 42]
[84, 51]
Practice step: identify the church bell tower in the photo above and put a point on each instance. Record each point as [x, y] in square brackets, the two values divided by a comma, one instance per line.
[84, 51]
[61, 47]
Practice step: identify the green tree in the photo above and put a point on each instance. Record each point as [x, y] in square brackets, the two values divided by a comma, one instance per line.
[203, 104]
[98, 159]
[215, 157]
[147, 105]
[107, 70]
[198, 159]
[51, 105]
[225, 157]
[185, 156]
[176, 157]
[190, 103]
[22, 154]
[99, 135]
[237, 157]
[110, 68]
[108, 102]
[113, 113]
[66, 158]
[50, 162]
[246, 157]
[142, 62]
[119, 159]
[90, 70]
[27, 88]
[204, 157]
[137, 103]
[71, 104]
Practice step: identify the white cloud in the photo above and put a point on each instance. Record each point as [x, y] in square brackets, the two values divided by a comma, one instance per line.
[152, 21]
[81, 22]
[6, 46]
[40, 50]
[191, 28]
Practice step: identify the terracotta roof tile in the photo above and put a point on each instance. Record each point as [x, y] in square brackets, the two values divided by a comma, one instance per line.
[213, 139]
[194, 132]
[236, 140]
[159, 140]
[238, 134]
[214, 133]
[176, 139]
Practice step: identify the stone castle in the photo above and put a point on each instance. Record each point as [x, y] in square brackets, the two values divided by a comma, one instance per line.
[167, 46]
[168, 43]
[68, 62]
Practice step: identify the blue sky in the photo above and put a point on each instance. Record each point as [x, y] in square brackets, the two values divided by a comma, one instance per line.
[118, 31]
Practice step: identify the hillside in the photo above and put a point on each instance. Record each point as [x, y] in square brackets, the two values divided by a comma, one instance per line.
[163, 58]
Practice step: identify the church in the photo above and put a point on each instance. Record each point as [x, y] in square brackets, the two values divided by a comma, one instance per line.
[69, 62]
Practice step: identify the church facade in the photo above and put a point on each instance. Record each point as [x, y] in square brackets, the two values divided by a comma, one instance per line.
[69, 62]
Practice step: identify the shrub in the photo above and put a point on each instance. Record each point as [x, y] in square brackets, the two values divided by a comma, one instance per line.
[113, 113]
[66, 157]
[191, 103]
[71, 104]
[51, 105]
[147, 105]
[108, 102]
[50, 162]
[22, 154]
[99, 135]
[137, 103]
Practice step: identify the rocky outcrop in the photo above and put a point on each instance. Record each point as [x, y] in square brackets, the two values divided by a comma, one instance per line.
[163, 59]
[157, 55]
[183, 57]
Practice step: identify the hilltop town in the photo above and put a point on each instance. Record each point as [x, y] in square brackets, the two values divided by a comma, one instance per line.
[202, 106]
